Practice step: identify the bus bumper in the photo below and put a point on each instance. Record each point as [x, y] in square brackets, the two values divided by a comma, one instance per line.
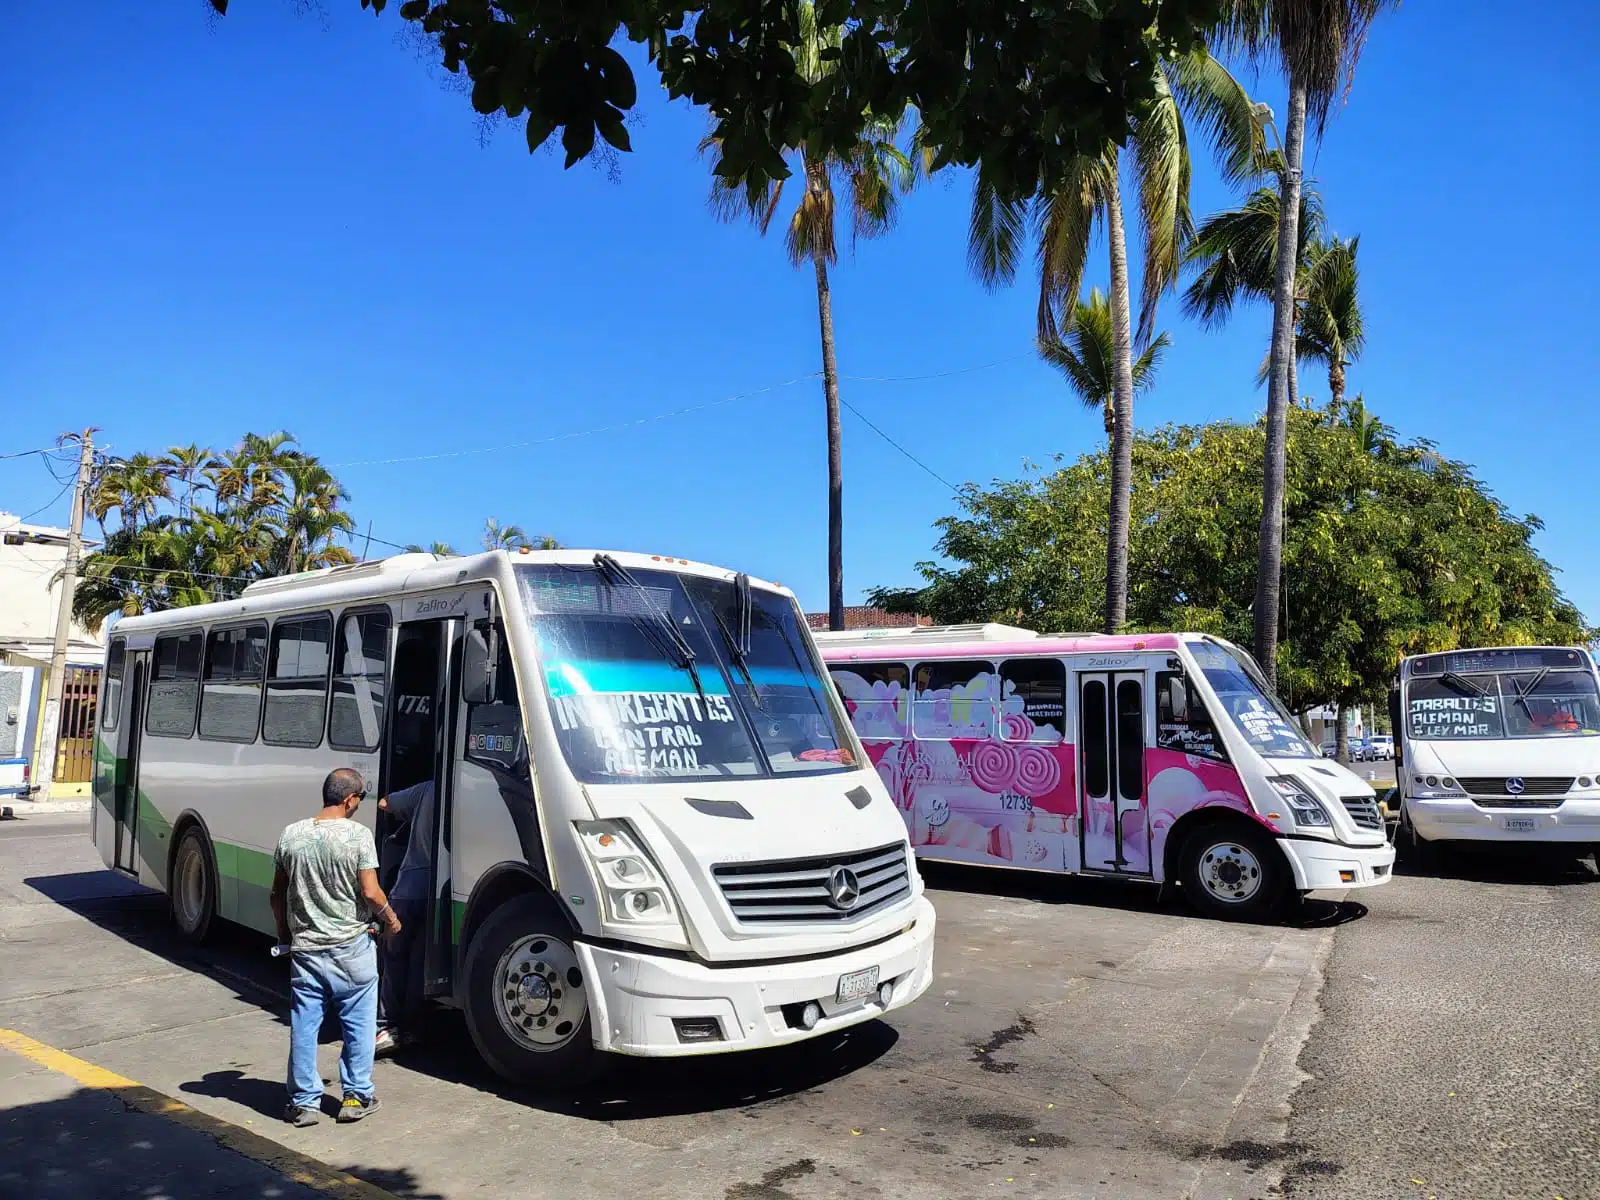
[1320, 865]
[645, 1003]
[1574, 820]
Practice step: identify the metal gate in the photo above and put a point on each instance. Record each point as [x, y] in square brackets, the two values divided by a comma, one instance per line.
[75, 743]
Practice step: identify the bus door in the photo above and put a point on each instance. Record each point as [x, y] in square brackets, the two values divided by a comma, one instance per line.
[1111, 772]
[420, 749]
[125, 783]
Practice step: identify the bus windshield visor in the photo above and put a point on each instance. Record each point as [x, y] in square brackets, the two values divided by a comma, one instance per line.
[1256, 713]
[1503, 704]
[629, 705]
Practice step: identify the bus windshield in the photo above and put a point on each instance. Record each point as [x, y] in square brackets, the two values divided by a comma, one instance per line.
[1541, 702]
[1256, 713]
[750, 702]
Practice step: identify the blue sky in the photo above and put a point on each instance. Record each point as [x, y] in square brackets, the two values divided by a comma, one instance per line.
[286, 221]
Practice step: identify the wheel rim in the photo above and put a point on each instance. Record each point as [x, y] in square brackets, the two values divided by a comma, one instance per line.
[540, 996]
[1231, 873]
[190, 887]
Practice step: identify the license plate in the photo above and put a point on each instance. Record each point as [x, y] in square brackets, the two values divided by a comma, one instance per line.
[857, 984]
[1518, 824]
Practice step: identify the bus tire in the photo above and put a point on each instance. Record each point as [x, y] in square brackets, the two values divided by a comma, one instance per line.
[526, 1001]
[192, 885]
[1234, 871]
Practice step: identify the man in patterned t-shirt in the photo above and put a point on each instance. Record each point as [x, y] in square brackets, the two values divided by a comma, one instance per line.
[324, 892]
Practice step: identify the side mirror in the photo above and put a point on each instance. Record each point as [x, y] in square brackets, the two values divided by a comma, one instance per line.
[1178, 698]
[477, 668]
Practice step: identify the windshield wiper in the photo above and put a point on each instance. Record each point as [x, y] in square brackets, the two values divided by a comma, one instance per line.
[737, 653]
[1524, 693]
[1462, 684]
[658, 627]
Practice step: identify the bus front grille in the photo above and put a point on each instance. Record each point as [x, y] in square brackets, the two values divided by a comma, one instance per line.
[1499, 786]
[1364, 811]
[836, 887]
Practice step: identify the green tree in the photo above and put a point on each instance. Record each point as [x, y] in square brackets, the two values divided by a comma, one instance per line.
[1193, 88]
[1085, 355]
[1317, 44]
[134, 488]
[437, 549]
[189, 465]
[1021, 87]
[1392, 549]
[869, 173]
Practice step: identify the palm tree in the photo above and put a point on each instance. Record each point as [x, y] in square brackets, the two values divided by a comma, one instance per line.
[190, 465]
[1330, 328]
[1317, 44]
[504, 537]
[870, 176]
[437, 549]
[1194, 87]
[1086, 356]
[310, 518]
[134, 487]
[1236, 253]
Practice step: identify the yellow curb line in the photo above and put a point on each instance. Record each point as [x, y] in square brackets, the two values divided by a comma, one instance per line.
[297, 1167]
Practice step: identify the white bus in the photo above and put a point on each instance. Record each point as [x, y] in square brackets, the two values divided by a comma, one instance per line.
[656, 832]
[1158, 756]
[1500, 744]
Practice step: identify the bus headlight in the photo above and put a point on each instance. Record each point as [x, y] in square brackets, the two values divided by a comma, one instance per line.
[1307, 809]
[634, 889]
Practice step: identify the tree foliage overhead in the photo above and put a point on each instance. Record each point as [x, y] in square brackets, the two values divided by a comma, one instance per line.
[1023, 86]
[1390, 549]
[272, 510]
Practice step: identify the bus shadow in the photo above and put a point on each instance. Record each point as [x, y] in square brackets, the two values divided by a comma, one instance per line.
[633, 1089]
[1542, 866]
[1125, 895]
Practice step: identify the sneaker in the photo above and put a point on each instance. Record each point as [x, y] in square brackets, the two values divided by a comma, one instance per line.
[354, 1108]
[300, 1118]
[385, 1045]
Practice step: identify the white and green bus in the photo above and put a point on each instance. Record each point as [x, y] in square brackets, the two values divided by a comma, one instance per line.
[656, 833]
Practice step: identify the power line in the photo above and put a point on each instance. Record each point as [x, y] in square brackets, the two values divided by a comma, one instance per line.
[898, 446]
[51, 503]
[566, 437]
[25, 453]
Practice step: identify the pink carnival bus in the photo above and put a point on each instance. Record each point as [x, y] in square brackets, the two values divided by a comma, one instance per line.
[1159, 756]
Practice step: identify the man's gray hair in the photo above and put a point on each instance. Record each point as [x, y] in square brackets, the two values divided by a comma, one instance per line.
[340, 785]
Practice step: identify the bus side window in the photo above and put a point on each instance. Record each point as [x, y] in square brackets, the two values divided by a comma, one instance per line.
[954, 699]
[877, 697]
[111, 703]
[297, 681]
[174, 685]
[355, 714]
[230, 687]
[1182, 723]
[1033, 700]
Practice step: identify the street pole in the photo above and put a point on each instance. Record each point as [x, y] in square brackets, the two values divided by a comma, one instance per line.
[45, 765]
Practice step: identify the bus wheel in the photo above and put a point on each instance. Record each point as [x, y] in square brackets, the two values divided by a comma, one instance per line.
[192, 886]
[527, 1002]
[1233, 872]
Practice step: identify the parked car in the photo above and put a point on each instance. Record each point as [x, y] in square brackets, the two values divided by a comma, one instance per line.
[1382, 745]
[1329, 749]
[1360, 749]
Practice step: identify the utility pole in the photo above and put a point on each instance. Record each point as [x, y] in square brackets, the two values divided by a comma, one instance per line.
[45, 766]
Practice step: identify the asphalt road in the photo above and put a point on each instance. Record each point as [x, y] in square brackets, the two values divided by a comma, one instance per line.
[1081, 1040]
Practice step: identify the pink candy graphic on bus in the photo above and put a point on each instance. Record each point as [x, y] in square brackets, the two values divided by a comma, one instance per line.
[982, 775]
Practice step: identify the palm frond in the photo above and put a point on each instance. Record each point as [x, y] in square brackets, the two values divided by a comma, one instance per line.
[996, 230]
[1085, 355]
[1148, 363]
[1161, 160]
[1218, 104]
[1065, 225]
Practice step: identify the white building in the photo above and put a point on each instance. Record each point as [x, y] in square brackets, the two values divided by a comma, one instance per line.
[30, 594]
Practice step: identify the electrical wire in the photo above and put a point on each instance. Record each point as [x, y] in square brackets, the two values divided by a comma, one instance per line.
[898, 446]
[51, 503]
[25, 453]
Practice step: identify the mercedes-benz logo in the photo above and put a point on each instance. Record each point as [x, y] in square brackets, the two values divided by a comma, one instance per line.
[843, 887]
[1516, 785]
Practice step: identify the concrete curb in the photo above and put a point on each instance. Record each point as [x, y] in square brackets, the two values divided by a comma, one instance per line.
[29, 808]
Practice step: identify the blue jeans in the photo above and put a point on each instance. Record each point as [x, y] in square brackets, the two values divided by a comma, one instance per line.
[346, 977]
[400, 993]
